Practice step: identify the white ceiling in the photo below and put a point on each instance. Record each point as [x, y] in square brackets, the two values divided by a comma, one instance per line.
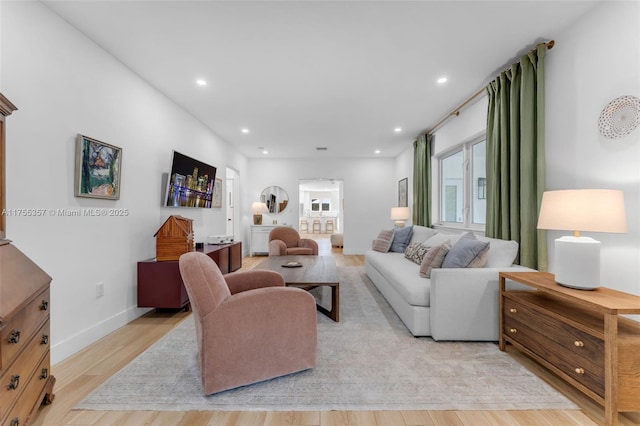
[307, 74]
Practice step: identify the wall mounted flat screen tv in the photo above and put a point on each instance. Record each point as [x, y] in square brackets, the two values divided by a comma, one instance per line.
[190, 182]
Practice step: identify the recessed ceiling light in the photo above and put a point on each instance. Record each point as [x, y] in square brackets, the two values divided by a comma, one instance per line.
[397, 129]
[245, 130]
[442, 80]
[377, 151]
[265, 152]
[201, 82]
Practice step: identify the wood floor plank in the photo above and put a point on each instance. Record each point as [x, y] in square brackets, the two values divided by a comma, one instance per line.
[81, 373]
[417, 418]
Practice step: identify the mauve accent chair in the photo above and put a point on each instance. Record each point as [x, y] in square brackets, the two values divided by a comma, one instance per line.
[249, 326]
[285, 241]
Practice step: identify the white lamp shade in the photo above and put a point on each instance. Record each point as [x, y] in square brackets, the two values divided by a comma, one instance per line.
[258, 208]
[400, 213]
[595, 210]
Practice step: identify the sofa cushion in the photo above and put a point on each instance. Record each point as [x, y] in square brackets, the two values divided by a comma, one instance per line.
[415, 252]
[383, 242]
[421, 234]
[433, 259]
[502, 252]
[401, 237]
[402, 275]
[467, 253]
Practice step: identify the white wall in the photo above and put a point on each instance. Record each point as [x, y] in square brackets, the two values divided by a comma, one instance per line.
[370, 190]
[64, 84]
[594, 61]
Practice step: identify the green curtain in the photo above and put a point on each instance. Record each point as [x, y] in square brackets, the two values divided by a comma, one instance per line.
[422, 180]
[515, 157]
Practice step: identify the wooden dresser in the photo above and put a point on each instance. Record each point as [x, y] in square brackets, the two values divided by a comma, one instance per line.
[25, 372]
[578, 335]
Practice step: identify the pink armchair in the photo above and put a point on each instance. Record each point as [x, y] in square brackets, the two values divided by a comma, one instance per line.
[284, 240]
[249, 326]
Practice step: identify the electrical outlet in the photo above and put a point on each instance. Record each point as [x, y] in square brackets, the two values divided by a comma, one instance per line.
[99, 290]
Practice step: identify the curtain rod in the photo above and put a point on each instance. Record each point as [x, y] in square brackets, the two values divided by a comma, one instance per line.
[456, 111]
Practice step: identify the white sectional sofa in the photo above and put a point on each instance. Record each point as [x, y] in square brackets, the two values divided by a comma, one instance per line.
[454, 303]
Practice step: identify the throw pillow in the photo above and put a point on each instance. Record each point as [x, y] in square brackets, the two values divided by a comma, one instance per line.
[420, 234]
[401, 237]
[383, 241]
[439, 239]
[467, 253]
[415, 252]
[433, 259]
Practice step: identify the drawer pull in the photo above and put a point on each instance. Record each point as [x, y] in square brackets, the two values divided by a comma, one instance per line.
[15, 421]
[44, 306]
[45, 339]
[14, 337]
[513, 330]
[579, 343]
[513, 310]
[44, 374]
[15, 382]
[579, 370]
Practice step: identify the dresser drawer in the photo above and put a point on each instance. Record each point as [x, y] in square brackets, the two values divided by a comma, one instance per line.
[573, 340]
[590, 373]
[15, 378]
[15, 334]
[31, 397]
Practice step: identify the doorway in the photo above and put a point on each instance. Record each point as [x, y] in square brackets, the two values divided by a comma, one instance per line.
[321, 211]
[231, 214]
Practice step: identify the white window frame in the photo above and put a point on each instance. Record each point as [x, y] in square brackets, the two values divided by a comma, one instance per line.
[467, 214]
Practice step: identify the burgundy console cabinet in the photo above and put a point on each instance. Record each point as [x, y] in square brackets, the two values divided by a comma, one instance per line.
[160, 284]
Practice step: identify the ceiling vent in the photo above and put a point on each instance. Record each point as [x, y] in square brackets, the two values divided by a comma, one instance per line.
[321, 148]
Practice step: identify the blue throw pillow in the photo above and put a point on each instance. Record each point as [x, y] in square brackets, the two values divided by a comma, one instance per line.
[401, 238]
[467, 253]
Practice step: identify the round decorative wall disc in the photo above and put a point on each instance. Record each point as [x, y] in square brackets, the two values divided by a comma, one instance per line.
[619, 117]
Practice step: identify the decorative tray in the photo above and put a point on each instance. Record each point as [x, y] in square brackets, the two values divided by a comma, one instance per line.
[292, 265]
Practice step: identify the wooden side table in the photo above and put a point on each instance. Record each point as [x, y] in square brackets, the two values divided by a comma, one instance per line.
[577, 334]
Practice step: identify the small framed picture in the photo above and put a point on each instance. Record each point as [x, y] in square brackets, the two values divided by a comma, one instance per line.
[402, 192]
[98, 169]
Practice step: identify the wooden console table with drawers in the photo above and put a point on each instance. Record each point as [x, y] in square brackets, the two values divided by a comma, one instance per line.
[160, 285]
[577, 334]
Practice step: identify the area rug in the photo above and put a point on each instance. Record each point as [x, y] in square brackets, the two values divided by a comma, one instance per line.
[367, 361]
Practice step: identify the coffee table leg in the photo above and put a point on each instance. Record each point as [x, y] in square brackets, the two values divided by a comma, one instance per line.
[334, 313]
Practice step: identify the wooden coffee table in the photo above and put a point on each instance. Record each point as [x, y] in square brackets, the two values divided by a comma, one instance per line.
[316, 271]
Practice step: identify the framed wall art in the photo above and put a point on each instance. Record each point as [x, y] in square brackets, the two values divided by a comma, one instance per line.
[98, 169]
[216, 201]
[402, 192]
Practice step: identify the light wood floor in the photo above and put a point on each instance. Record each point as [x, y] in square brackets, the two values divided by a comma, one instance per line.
[86, 370]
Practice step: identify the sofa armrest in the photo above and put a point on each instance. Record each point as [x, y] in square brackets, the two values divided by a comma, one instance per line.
[277, 248]
[464, 302]
[308, 243]
[255, 278]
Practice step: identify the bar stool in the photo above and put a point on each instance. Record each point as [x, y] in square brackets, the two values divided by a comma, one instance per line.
[328, 226]
[316, 226]
[304, 226]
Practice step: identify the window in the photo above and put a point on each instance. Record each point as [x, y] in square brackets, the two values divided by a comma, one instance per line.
[320, 205]
[463, 185]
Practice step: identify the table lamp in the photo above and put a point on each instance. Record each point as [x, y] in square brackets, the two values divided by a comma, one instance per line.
[400, 214]
[258, 208]
[592, 210]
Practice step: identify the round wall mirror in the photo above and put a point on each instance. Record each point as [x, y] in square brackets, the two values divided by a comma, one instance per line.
[275, 198]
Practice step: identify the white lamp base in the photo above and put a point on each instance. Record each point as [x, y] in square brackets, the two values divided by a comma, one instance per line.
[399, 224]
[578, 262]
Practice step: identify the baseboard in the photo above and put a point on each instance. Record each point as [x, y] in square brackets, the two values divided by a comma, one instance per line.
[75, 343]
